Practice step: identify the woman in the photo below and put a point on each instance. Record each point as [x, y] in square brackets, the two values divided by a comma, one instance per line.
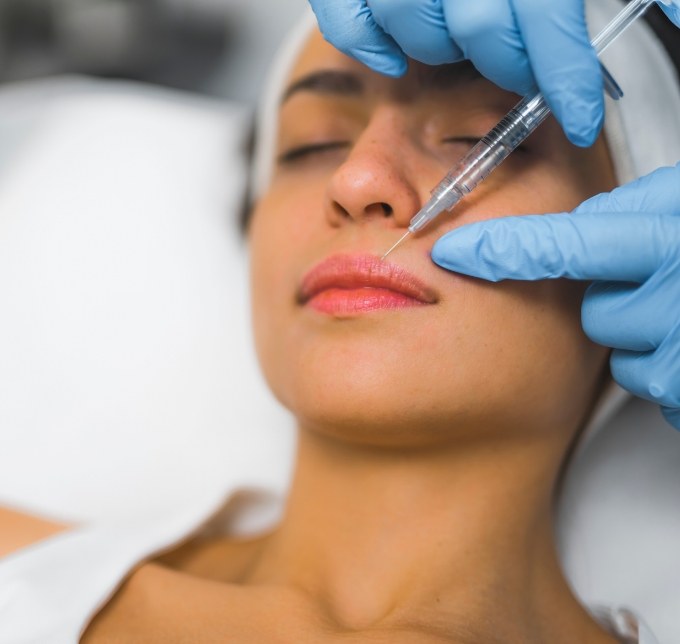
[435, 412]
[421, 507]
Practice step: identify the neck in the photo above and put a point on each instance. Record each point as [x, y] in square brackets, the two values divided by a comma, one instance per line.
[458, 540]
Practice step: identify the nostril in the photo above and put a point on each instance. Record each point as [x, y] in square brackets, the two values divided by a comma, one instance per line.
[387, 209]
[343, 213]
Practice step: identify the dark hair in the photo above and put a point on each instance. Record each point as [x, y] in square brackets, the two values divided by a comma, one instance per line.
[248, 201]
[666, 32]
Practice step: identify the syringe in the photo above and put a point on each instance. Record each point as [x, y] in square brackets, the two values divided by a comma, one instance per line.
[503, 139]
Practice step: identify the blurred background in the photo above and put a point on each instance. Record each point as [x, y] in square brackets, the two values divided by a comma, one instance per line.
[125, 350]
[214, 47]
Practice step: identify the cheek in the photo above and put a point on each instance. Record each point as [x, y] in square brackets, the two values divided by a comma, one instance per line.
[552, 178]
[512, 354]
[278, 243]
[535, 190]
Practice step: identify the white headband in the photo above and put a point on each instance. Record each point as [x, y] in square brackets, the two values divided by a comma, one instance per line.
[266, 123]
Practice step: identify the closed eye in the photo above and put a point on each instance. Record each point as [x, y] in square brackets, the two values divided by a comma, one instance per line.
[471, 141]
[303, 151]
[462, 140]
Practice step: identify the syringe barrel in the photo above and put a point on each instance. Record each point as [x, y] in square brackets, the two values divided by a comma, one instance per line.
[497, 145]
[483, 159]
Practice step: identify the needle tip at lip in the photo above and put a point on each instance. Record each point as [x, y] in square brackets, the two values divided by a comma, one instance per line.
[406, 234]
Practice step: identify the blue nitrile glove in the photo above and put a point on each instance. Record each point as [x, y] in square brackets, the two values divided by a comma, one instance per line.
[517, 44]
[628, 242]
[672, 9]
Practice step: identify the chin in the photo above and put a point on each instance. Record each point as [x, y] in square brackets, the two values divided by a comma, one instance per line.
[371, 399]
[374, 392]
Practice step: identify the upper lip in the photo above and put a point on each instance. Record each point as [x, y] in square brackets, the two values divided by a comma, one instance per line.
[362, 271]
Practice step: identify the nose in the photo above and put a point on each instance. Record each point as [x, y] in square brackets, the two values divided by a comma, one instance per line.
[376, 181]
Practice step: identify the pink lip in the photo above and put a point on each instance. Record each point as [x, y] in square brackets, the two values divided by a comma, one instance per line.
[352, 284]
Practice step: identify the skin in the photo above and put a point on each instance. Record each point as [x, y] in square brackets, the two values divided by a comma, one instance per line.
[19, 530]
[431, 438]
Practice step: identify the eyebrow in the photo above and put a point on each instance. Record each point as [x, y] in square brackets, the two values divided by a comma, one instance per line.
[346, 83]
[327, 81]
[445, 77]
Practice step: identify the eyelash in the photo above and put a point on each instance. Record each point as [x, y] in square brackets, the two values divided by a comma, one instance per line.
[472, 141]
[304, 151]
[467, 140]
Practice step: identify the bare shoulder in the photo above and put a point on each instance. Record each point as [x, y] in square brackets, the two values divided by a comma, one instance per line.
[161, 601]
[191, 593]
[18, 530]
[137, 609]
[159, 605]
[225, 559]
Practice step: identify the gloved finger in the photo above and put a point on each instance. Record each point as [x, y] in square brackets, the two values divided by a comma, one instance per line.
[654, 375]
[419, 28]
[632, 317]
[657, 192]
[620, 247]
[487, 33]
[672, 416]
[672, 10]
[349, 26]
[564, 63]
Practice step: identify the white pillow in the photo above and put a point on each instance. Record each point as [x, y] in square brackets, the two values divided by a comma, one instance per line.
[127, 376]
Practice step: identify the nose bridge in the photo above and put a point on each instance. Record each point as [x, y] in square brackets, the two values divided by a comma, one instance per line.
[386, 138]
[376, 178]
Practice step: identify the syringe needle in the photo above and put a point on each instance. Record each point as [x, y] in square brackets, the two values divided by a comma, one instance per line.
[406, 234]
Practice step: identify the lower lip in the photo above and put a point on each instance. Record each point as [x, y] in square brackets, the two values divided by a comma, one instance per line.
[340, 301]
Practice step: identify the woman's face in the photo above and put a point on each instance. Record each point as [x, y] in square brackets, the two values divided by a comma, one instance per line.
[405, 353]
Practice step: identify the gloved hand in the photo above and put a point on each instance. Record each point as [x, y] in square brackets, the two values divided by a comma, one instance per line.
[628, 242]
[517, 44]
[672, 9]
